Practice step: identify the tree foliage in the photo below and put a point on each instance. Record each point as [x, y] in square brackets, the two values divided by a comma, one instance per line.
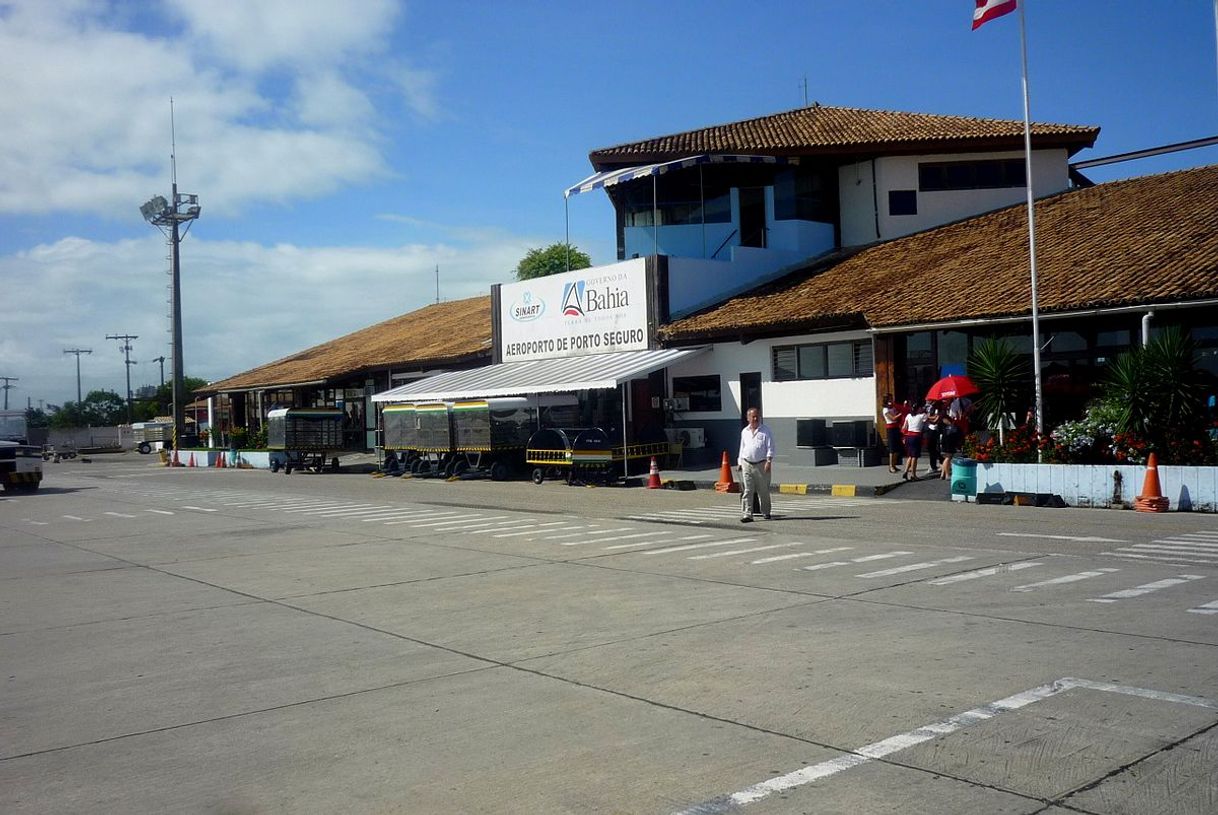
[550, 260]
[97, 409]
[1158, 388]
[1003, 378]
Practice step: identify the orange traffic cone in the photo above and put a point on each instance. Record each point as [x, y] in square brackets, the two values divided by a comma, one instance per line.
[653, 480]
[726, 483]
[1151, 499]
[192, 460]
[223, 460]
[176, 463]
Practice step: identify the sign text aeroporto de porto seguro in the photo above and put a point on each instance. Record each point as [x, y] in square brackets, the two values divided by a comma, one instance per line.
[589, 311]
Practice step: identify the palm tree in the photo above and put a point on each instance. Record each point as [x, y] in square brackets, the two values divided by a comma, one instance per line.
[1002, 375]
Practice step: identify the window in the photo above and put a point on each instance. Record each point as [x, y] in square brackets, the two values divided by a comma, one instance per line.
[833, 360]
[989, 174]
[902, 202]
[803, 196]
[703, 392]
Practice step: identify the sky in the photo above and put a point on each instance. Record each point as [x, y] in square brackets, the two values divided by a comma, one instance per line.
[342, 152]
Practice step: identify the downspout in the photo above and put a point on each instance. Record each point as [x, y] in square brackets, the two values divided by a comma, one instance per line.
[1146, 318]
[875, 200]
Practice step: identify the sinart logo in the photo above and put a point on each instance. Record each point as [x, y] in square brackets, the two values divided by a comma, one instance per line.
[527, 308]
[573, 299]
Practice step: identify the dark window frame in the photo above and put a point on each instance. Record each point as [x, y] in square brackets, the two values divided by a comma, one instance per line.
[974, 174]
[787, 361]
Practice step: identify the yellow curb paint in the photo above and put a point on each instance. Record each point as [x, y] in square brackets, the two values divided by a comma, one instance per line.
[793, 489]
[844, 490]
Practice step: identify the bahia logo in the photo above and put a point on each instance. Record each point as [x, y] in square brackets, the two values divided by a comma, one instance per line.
[527, 308]
[579, 301]
[573, 299]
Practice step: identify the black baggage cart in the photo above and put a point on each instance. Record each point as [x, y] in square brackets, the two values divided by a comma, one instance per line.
[305, 436]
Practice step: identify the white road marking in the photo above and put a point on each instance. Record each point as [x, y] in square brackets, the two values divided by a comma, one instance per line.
[159, 511]
[34, 523]
[1070, 578]
[915, 567]
[690, 546]
[987, 572]
[503, 527]
[199, 509]
[533, 529]
[1161, 558]
[776, 558]
[1061, 537]
[338, 513]
[627, 537]
[1191, 544]
[864, 559]
[439, 518]
[460, 520]
[729, 803]
[1174, 550]
[316, 508]
[1146, 588]
[400, 513]
[120, 515]
[649, 543]
[1207, 608]
[76, 518]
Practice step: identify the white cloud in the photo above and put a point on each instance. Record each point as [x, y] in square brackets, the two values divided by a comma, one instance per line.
[243, 304]
[270, 102]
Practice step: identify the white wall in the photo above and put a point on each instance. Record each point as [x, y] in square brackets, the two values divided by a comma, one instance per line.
[1050, 174]
[694, 283]
[822, 398]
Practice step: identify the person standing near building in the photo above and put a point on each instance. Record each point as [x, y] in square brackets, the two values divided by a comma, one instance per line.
[892, 430]
[912, 429]
[756, 462]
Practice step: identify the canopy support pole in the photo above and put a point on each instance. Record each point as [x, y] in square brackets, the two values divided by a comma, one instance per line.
[702, 201]
[655, 217]
[566, 211]
[625, 400]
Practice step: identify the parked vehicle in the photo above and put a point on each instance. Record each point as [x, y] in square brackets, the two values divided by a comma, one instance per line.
[20, 467]
[305, 436]
[151, 436]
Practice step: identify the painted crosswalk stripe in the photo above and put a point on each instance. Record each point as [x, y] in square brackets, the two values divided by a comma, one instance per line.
[535, 528]
[1060, 537]
[649, 543]
[316, 509]
[1146, 588]
[629, 537]
[120, 515]
[816, 567]
[915, 567]
[524, 523]
[1175, 550]
[199, 509]
[1158, 558]
[790, 556]
[159, 511]
[662, 518]
[1070, 578]
[598, 539]
[1208, 608]
[427, 520]
[986, 572]
[688, 547]
[350, 511]
[767, 548]
[401, 513]
[1191, 544]
[458, 520]
[76, 518]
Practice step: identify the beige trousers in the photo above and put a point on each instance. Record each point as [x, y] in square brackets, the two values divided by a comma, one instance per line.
[756, 482]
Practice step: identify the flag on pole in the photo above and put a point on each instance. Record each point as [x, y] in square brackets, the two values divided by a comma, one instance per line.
[989, 9]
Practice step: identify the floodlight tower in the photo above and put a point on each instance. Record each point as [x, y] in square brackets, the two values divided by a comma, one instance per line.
[169, 218]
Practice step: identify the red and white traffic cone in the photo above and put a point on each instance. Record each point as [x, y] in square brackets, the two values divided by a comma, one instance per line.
[653, 480]
[192, 460]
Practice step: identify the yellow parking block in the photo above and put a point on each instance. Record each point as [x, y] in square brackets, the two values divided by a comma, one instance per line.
[844, 490]
[793, 489]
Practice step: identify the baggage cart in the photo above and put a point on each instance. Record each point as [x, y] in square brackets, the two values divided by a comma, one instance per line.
[305, 437]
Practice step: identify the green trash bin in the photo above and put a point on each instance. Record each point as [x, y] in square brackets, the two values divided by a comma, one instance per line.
[964, 479]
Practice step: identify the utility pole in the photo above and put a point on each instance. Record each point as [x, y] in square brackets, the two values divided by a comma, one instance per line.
[7, 387]
[160, 359]
[126, 349]
[169, 218]
[78, 352]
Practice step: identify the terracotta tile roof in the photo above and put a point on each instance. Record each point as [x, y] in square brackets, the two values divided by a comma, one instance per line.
[1140, 241]
[437, 335]
[820, 130]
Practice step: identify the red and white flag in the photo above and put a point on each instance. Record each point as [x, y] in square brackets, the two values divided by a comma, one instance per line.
[989, 9]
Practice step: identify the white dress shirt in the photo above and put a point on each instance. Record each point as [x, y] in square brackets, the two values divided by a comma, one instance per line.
[756, 446]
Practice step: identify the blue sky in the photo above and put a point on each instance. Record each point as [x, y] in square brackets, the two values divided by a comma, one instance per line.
[342, 151]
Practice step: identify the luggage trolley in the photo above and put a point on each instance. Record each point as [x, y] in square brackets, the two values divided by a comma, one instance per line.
[401, 439]
[305, 436]
[433, 439]
[491, 435]
[583, 454]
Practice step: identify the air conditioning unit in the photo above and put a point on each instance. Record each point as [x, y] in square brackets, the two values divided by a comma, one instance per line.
[693, 438]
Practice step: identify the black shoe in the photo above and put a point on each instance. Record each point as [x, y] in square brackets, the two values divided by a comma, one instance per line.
[748, 519]
[766, 516]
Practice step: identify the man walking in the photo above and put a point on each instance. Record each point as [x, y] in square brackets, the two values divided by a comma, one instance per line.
[756, 460]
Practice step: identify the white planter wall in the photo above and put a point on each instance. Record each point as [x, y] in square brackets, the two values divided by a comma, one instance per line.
[1093, 485]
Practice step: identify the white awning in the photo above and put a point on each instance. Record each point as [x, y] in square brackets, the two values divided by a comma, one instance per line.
[538, 376]
[611, 177]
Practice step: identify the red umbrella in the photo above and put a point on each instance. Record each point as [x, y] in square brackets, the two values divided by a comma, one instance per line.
[952, 386]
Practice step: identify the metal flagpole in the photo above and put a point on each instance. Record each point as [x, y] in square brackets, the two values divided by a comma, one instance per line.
[566, 210]
[1027, 146]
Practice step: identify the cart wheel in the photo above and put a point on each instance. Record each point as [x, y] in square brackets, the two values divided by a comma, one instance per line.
[334, 464]
[538, 475]
[499, 471]
[424, 467]
[287, 468]
[145, 448]
[275, 465]
[460, 466]
[414, 466]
